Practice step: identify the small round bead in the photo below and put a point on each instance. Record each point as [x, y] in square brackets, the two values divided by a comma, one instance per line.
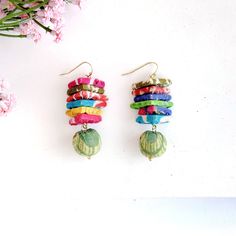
[87, 142]
[152, 144]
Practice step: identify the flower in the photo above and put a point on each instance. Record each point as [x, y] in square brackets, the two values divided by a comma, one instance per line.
[24, 16]
[52, 15]
[2, 14]
[57, 36]
[30, 18]
[3, 85]
[44, 15]
[76, 2]
[5, 4]
[30, 29]
[7, 100]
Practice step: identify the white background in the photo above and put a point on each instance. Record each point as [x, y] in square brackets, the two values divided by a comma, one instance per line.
[43, 180]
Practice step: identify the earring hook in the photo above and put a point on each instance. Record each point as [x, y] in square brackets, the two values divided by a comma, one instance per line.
[82, 63]
[140, 67]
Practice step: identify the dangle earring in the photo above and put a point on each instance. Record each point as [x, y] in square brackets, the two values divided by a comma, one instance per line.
[85, 100]
[152, 100]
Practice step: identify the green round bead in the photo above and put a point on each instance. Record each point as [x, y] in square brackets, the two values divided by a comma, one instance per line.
[152, 144]
[87, 142]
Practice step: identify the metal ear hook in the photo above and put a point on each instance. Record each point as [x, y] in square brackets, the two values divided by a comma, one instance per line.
[148, 63]
[82, 63]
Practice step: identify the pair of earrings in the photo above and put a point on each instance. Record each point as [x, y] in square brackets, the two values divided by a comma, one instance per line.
[86, 99]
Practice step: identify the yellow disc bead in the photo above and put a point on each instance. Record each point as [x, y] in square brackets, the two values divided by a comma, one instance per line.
[84, 110]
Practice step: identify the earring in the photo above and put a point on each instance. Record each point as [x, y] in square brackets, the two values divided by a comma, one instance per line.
[85, 100]
[152, 99]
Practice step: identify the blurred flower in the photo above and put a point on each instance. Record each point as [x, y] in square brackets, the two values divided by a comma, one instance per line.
[24, 16]
[2, 14]
[76, 2]
[7, 100]
[57, 36]
[52, 15]
[5, 4]
[4, 85]
[30, 29]
[30, 19]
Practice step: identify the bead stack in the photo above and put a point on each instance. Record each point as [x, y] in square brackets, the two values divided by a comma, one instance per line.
[85, 101]
[152, 99]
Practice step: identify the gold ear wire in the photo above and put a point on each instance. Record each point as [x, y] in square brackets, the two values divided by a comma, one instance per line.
[148, 63]
[84, 62]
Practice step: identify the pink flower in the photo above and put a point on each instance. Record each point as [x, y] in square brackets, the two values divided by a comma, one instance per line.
[58, 36]
[2, 14]
[59, 4]
[10, 6]
[52, 16]
[7, 100]
[30, 29]
[48, 17]
[29, 5]
[4, 85]
[5, 4]
[24, 16]
[45, 15]
[76, 2]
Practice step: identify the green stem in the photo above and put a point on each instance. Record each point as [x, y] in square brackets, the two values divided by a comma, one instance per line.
[8, 26]
[16, 23]
[25, 2]
[13, 36]
[17, 6]
[23, 12]
[43, 26]
[7, 29]
[12, 11]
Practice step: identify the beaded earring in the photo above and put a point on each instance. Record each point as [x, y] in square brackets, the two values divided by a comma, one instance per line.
[152, 99]
[85, 101]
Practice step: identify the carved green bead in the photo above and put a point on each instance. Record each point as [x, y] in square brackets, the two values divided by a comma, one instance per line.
[87, 142]
[152, 144]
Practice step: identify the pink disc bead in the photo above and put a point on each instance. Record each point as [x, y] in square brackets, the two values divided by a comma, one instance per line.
[85, 119]
[151, 89]
[87, 80]
[87, 95]
[82, 80]
[99, 83]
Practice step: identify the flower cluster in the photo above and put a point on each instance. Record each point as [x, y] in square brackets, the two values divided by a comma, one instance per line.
[7, 100]
[28, 18]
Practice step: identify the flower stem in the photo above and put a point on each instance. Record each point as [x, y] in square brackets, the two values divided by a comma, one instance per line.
[43, 26]
[16, 23]
[17, 6]
[6, 29]
[13, 36]
[29, 10]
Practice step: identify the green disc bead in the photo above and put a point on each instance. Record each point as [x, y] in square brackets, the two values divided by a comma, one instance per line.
[87, 142]
[152, 144]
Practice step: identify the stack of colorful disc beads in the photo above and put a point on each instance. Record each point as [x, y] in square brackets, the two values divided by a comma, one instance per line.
[152, 100]
[84, 104]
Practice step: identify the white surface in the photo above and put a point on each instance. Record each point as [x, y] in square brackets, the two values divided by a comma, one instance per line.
[192, 41]
[194, 44]
[213, 217]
